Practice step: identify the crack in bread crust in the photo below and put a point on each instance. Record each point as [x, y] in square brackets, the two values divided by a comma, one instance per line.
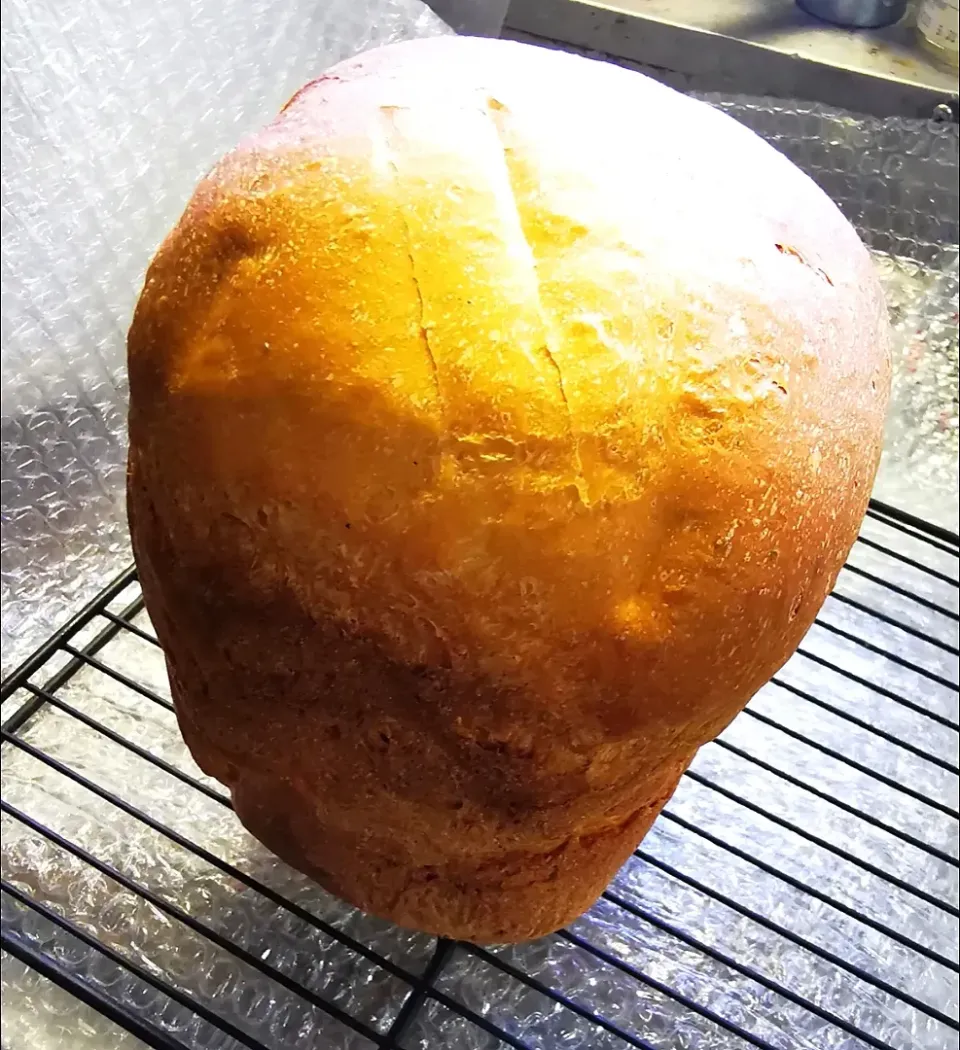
[372, 375]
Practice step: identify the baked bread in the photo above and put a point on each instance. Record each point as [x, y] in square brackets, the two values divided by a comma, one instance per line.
[499, 421]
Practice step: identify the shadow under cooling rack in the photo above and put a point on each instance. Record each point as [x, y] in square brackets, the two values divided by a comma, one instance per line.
[800, 889]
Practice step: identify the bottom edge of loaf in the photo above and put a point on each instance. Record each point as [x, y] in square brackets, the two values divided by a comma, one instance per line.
[519, 897]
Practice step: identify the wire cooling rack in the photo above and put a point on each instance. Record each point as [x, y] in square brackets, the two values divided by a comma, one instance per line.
[800, 889]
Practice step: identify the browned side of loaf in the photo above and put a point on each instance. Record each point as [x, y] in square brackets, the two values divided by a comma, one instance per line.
[499, 422]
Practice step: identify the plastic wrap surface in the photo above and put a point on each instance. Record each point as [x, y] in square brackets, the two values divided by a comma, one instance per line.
[112, 111]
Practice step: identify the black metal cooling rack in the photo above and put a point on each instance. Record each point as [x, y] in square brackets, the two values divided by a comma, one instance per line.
[880, 666]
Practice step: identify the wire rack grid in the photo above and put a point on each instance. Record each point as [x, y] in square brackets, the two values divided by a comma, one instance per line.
[799, 890]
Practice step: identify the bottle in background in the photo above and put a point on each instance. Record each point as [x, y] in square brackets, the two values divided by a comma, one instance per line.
[938, 26]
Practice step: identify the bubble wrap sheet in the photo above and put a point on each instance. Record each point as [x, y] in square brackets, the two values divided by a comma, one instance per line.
[112, 111]
[790, 898]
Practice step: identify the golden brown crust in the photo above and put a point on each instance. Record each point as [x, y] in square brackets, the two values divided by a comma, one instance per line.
[487, 454]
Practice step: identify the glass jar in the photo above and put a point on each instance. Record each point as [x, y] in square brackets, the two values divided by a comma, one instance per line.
[938, 26]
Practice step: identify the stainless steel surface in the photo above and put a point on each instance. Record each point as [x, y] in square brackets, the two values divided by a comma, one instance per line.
[856, 14]
[472, 17]
[755, 47]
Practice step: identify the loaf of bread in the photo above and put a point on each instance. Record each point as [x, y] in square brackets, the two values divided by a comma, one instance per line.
[499, 421]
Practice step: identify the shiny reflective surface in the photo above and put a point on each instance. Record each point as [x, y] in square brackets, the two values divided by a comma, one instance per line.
[856, 14]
